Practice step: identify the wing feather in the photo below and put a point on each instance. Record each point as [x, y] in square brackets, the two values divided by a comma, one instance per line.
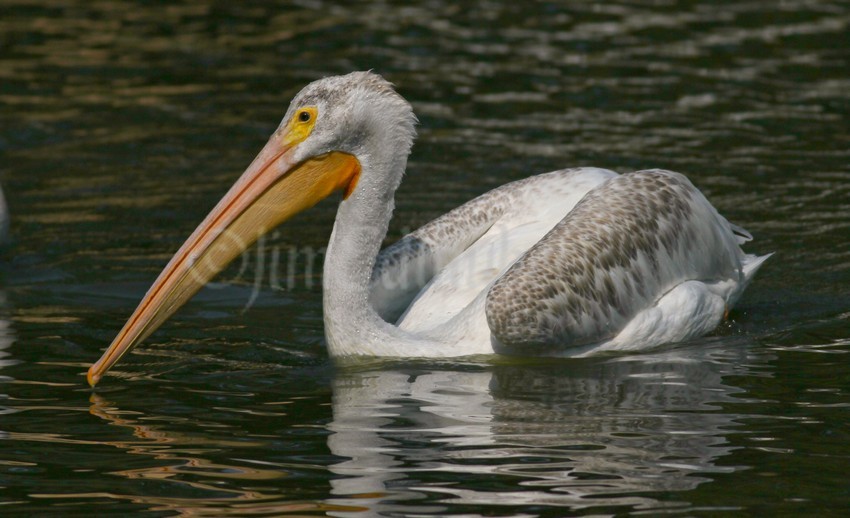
[447, 262]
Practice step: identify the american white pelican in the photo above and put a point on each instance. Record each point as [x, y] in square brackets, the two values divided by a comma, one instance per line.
[4, 220]
[564, 263]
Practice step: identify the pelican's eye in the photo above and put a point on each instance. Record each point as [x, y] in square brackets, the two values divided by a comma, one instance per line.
[300, 125]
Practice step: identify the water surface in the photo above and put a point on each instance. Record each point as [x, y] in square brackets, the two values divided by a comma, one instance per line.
[123, 122]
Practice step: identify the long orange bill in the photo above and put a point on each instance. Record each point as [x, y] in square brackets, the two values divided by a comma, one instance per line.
[270, 191]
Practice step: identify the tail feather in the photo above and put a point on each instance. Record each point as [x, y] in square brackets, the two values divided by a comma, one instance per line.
[751, 264]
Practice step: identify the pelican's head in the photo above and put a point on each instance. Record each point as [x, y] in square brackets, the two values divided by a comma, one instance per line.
[334, 128]
[358, 114]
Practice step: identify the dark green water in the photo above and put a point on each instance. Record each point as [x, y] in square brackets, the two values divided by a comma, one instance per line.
[123, 122]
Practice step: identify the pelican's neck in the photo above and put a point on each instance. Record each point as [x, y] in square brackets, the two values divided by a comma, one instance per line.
[359, 229]
[352, 326]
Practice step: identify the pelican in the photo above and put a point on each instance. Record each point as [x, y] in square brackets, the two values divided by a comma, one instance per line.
[566, 263]
[4, 221]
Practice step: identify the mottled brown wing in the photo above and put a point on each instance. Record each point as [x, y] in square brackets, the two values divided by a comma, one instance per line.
[624, 245]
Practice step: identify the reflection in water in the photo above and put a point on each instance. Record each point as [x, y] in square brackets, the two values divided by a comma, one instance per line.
[576, 434]
[185, 463]
[563, 435]
[7, 335]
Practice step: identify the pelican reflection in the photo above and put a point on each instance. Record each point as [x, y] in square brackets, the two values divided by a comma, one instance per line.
[416, 438]
[518, 435]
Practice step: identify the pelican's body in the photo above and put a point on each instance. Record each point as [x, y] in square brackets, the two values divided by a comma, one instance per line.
[523, 269]
[564, 263]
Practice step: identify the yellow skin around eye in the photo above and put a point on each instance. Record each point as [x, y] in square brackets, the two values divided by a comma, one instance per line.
[297, 130]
